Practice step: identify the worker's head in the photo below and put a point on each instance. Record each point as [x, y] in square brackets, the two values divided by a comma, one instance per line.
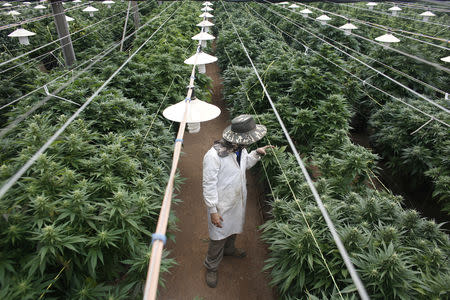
[244, 131]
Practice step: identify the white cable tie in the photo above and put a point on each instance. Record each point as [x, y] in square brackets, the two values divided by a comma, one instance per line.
[415, 131]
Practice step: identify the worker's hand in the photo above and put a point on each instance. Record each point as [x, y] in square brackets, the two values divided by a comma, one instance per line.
[216, 219]
[262, 150]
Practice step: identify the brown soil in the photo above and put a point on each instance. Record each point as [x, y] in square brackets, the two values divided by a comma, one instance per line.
[238, 278]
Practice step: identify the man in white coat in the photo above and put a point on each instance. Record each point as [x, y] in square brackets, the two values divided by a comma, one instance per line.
[224, 189]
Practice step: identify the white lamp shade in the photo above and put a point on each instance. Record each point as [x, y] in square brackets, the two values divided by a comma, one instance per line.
[108, 3]
[90, 9]
[200, 58]
[7, 4]
[198, 111]
[206, 15]
[305, 12]
[207, 3]
[348, 28]
[69, 19]
[203, 37]
[427, 14]
[39, 7]
[26, 3]
[207, 8]
[205, 24]
[446, 59]
[13, 13]
[76, 1]
[387, 38]
[395, 8]
[323, 19]
[22, 34]
[294, 6]
[371, 4]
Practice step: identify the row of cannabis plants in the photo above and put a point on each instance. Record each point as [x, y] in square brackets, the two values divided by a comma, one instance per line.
[78, 225]
[397, 253]
[419, 160]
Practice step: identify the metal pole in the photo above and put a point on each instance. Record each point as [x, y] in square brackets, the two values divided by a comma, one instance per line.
[63, 32]
[136, 16]
[125, 26]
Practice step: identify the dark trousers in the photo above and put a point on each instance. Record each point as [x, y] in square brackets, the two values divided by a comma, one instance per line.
[216, 250]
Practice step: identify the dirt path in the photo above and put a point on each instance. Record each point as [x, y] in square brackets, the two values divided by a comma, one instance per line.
[238, 278]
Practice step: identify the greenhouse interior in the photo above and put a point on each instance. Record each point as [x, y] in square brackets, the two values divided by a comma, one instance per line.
[226, 150]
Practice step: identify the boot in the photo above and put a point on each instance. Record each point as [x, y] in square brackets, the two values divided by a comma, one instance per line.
[211, 278]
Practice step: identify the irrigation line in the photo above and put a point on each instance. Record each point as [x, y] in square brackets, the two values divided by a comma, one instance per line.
[5, 130]
[377, 26]
[38, 153]
[354, 275]
[360, 61]
[356, 77]
[437, 66]
[57, 40]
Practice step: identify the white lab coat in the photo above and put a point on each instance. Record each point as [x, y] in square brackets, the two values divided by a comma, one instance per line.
[225, 190]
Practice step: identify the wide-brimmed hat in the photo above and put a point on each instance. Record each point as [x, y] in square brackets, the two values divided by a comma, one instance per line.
[244, 130]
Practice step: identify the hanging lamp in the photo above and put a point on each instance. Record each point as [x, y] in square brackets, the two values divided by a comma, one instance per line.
[203, 37]
[108, 3]
[205, 24]
[69, 19]
[76, 1]
[348, 28]
[198, 111]
[283, 4]
[200, 59]
[23, 35]
[40, 7]
[370, 5]
[305, 12]
[8, 5]
[26, 3]
[207, 9]
[207, 3]
[446, 59]
[323, 19]
[206, 15]
[13, 13]
[293, 7]
[426, 15]
[394, 10]
[387, 39]
[90, 10]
